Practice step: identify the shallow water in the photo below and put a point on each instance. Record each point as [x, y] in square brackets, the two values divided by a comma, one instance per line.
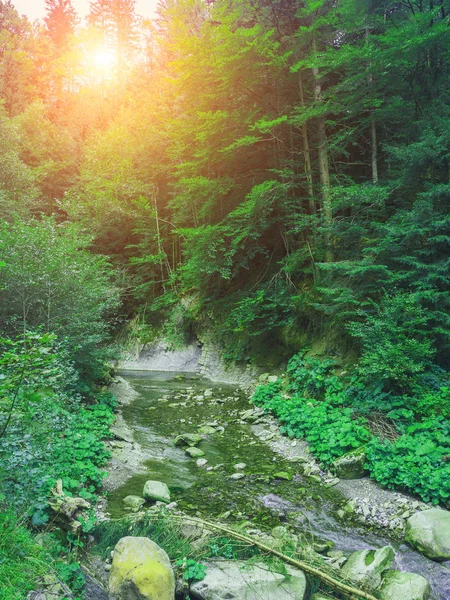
[170, 404]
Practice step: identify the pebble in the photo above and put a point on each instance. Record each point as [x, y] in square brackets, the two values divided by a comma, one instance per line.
[240, 466]
[237, 476]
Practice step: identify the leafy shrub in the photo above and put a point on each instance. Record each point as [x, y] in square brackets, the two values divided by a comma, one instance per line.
[310, 376]
[47, 434]
[331, 431]
[418, 461]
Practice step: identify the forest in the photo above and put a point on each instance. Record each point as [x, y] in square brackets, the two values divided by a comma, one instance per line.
[274, 172]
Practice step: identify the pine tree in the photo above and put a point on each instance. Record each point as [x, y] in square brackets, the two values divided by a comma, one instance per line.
[60, 21]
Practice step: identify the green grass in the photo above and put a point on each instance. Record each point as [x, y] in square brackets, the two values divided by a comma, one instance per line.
[22, 559]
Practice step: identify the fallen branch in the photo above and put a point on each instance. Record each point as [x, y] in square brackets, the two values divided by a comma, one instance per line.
[351, 591]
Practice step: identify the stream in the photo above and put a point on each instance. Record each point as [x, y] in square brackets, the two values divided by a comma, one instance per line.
[170, 404]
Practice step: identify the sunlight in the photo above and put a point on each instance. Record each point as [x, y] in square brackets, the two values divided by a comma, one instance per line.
[104, 59]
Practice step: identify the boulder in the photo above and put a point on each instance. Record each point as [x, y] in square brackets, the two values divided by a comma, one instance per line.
[141, 570]
[235, 580]
[429, 532]
[367, 566]
[156, 491]
[404, 586]
[194, 452]
[134, 502]
[188, 439]
[351, 465]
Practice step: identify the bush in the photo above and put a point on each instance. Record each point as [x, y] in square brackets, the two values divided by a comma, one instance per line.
[418, 461]
[331, 431]
[50, 280]
[328, 411]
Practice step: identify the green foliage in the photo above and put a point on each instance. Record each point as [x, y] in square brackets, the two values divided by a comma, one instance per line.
[417, 461]
[47, 432]
[50, 280]
[192, 570]
[330, 431]
[329, 411]
[22, 559]
[396, 341]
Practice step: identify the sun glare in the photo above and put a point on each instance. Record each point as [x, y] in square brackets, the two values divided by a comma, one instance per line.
[104, 59]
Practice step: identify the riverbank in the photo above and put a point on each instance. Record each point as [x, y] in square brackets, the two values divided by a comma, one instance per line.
[281, 504]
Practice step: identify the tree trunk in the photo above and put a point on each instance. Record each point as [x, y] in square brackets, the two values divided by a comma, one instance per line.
[307, 153]
[324, 168]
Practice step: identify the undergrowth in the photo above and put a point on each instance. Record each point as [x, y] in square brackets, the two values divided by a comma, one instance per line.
[332, 408]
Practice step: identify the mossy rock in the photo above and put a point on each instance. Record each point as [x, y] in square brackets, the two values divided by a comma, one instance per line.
[350, 465]
[194, 452]
[188, 439]
[141, 570]
[398, 585]
[134, 502]
[429, 532]
[367, 566]
[156, 491]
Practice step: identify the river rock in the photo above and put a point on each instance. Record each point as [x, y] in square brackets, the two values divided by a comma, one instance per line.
[201, 462]
[429, 532]
[351, 465]
[235, 580]
[156, 491]
[240, 466]
[207, 429]
[367, 566]
[404, 586]
[134, 502]
[188, 439]
[194, 452]
[141, 570]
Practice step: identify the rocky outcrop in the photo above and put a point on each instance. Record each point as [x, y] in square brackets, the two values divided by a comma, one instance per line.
[351, 465]
[156, 491]
[404, 586]
[429, 532]
[367, 566]
[141, 570]
[234, 580]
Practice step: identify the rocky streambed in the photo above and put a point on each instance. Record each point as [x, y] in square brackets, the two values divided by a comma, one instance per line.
[243, 471]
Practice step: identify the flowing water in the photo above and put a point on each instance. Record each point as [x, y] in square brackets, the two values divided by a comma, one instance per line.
[170, 404]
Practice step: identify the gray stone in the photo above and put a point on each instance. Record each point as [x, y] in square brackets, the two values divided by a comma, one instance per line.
[429, 532]
[351, 465]
[156, 491]
[134, 502]
[272, 378]
[404, 586]
[234, 580]
[367, 566]
[237, 476]
[240, 466]
[201, 462]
